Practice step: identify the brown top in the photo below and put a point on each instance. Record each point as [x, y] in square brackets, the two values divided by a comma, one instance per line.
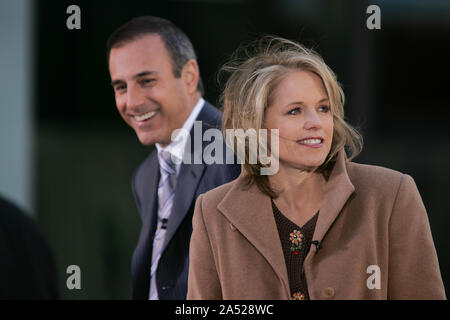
[295, 242]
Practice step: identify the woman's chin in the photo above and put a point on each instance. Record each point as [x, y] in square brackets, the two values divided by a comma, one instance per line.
[306, 164]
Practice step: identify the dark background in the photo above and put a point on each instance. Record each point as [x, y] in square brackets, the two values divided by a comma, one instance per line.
[395, 80]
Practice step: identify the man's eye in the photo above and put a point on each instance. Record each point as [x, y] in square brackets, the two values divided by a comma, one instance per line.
[120, 87]
[294, 111]
[147, 81]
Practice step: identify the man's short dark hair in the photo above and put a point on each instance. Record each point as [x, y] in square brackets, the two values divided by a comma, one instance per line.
[177, 43]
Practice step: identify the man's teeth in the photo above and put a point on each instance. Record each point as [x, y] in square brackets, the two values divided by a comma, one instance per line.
[145, 116]
[311, 141]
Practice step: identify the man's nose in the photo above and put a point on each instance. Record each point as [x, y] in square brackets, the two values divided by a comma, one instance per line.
[135, 97]
[312, 120]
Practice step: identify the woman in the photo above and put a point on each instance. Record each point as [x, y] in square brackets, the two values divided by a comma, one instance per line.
[321, 227]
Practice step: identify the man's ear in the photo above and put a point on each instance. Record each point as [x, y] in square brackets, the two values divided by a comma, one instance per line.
[190, 76]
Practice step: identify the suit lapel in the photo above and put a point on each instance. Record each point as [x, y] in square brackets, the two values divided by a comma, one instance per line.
[187, 182]
[142, 256]
[190, 174]
[153, 179]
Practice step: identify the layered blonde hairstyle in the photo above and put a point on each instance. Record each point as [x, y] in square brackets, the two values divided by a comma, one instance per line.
[253, 73]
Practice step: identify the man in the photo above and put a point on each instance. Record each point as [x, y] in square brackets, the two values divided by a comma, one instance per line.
[158, 89]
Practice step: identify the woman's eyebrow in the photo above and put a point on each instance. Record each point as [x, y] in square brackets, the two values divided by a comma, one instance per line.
[302, 103]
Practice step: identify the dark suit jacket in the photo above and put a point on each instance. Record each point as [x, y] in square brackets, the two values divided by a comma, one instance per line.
[193, 180]
[27, 266]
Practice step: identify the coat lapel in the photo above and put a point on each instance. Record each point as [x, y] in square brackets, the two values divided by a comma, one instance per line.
[250, 211]
[338, 189]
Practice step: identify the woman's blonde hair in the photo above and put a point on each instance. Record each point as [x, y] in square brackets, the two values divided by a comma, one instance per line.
[254, 72]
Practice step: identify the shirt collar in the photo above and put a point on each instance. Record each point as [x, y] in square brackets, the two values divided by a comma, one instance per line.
[177, 146]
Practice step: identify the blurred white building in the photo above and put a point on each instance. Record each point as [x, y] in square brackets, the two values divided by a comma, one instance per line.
[16, 97]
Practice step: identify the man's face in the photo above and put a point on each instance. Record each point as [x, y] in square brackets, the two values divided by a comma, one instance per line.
[148, 96]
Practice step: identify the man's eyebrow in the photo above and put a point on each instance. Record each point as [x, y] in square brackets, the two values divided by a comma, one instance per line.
[116, 82]
[138, 75]
[144, 73]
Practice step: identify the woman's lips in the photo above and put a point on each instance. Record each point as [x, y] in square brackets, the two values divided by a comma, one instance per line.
[311, 142]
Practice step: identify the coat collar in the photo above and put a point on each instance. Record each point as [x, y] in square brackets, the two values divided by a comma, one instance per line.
[338, 190]
[250, 211]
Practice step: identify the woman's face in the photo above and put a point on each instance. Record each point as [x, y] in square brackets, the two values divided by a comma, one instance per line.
[300, 109]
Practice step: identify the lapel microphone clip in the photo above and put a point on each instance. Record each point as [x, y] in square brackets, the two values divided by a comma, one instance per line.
[317, 243]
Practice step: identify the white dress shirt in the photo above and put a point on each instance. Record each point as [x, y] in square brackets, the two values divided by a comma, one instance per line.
[177, 147]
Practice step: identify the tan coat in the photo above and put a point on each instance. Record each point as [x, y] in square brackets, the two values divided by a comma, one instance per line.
[370, 216]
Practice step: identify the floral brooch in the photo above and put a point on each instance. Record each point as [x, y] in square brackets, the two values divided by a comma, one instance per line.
[296, 238]
[298, 296]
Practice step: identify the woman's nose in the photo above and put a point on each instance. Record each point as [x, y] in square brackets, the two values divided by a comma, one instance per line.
[312, 120]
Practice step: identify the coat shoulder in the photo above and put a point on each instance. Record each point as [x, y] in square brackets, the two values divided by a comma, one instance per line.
[141, 175]
[372, 171]
[213, 197]
[146, 164]
[372, 177]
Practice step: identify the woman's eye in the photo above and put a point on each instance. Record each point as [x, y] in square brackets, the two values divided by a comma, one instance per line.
[324, 109]
[294, 111]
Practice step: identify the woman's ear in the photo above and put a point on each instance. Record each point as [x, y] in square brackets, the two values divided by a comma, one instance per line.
[190, 76]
